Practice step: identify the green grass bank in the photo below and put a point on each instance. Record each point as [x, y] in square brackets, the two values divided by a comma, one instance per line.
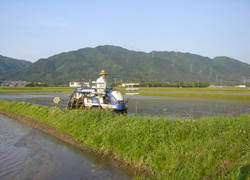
[206, 148]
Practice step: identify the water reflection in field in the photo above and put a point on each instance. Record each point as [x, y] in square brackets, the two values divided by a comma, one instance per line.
[186, 107]
[27, 153]
[151, 105]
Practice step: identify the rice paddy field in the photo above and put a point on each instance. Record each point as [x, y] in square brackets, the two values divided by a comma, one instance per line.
[206, 90]
[215, 147]
[229, 93]
[36, 89]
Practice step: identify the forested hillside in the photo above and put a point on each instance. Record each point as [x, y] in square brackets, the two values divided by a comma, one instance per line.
[8, 64]
[129, 65]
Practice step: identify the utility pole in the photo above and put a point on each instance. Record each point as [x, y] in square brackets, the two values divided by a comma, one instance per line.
[210, 72]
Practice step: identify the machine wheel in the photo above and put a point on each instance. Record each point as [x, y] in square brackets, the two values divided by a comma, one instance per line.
[77, 103]
[80, 103]
[82, 106]
[71, 104]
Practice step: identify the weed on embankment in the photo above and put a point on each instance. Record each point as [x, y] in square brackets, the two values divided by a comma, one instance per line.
[206, 148]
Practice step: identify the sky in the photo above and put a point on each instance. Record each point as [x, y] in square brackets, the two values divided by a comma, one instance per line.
[31, 30]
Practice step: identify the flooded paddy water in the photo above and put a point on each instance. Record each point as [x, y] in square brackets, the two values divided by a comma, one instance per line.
[170, 107]
[27, 153]
[186, 107]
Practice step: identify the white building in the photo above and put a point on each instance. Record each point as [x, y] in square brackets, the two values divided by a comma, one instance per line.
[242, 86]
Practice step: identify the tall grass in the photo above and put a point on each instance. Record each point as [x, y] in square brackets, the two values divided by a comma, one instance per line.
[206, 148]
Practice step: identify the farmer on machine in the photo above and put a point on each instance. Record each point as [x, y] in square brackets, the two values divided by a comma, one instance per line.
[102, 83]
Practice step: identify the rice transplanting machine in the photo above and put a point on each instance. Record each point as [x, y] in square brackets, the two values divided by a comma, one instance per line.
[99, 98]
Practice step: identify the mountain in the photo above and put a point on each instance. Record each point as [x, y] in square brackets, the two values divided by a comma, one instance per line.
[129, 65]
[9, 64]
[219, 68]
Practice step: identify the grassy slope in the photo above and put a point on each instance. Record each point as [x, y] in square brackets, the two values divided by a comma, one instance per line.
[209, 148]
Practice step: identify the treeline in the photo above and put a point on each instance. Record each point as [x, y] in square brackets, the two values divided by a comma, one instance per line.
[47, 84]
[36, 84]
[168, 84]
[113, 84]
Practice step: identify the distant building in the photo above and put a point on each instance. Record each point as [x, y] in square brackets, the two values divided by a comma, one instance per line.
[13, 83]
[242, 86]
[78, 83]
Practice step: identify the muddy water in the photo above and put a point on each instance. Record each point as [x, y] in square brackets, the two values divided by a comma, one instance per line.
[186, 107]
[27, 153]
[151, 105]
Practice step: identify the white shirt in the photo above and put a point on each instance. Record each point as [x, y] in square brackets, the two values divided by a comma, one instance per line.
[104, 85]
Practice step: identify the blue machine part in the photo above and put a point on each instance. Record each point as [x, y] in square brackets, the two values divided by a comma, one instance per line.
[120, 105]
[116, 99]
[94, 100]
